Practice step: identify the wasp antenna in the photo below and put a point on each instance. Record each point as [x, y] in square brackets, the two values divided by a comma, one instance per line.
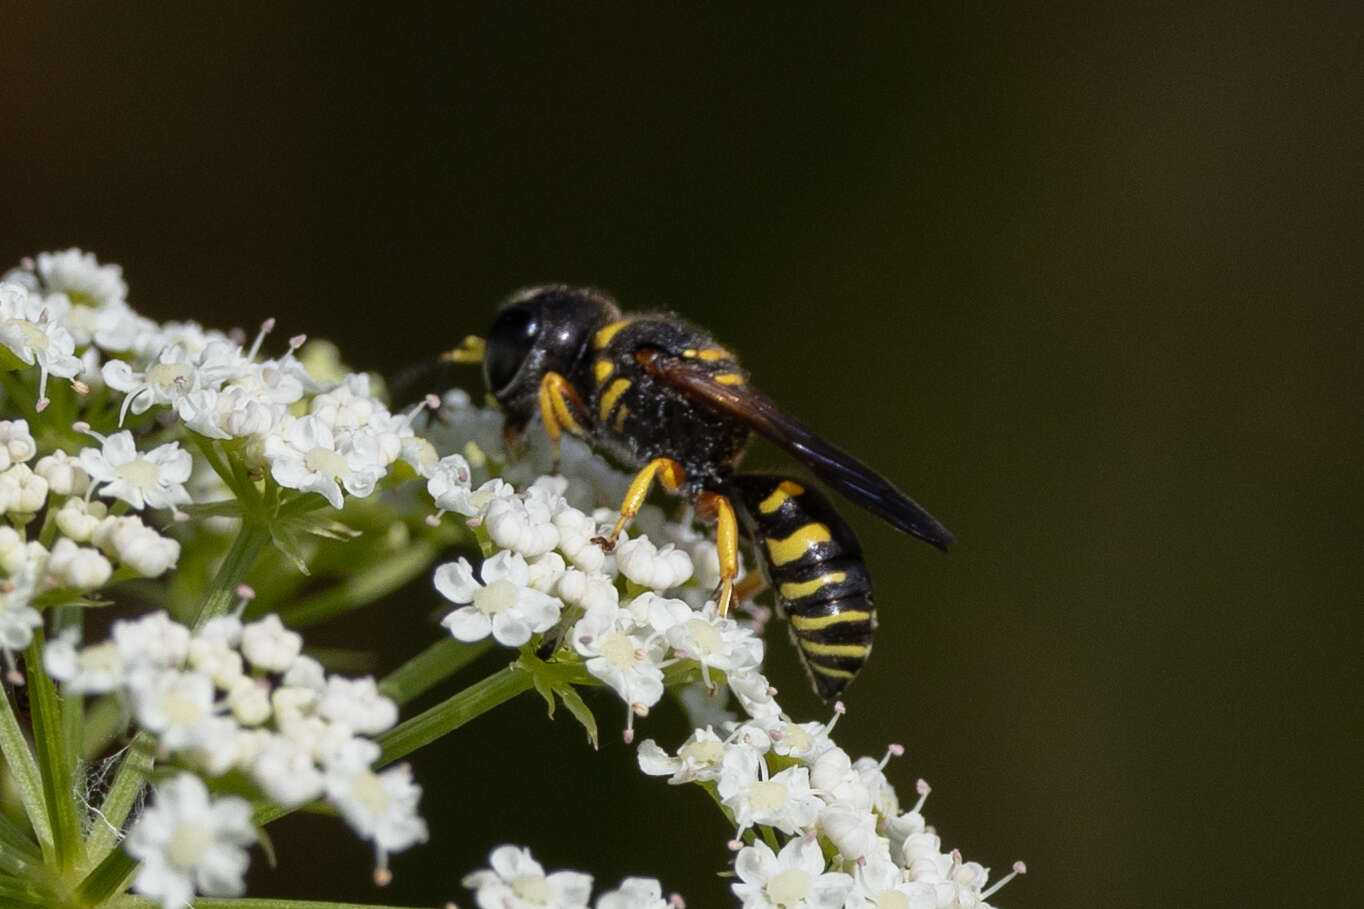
[469, 352]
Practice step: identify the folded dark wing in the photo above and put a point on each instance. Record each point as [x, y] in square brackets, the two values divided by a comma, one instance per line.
[830, 463]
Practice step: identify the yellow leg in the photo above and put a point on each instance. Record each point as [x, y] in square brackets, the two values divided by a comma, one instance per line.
[668, 472]
[712, 504]
[555, 397]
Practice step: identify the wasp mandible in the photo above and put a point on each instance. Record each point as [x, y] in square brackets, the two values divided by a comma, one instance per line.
[662, 396]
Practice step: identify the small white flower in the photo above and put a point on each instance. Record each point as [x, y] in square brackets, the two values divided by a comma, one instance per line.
[230, 413]
[832, 774]
[448, 484]
[793, 879]
[712, 641]
[249, 701]
[648, 566]
[305, 455]
[189, 843]
[881, 883]
[517, 881]
[503, 605]
[546, 571]
[475, 503]
[153, 640]
[289, 701]
[524, 526]
[78, 518]
[80, 276]
[63, 473]
[306, 672]
[217, 659]
[700, 758]
[852, 830]
[358, 704]
[16, 443]
[755, 694]
[634, 893]
[783, 801]
[97, 669]
[176, 373]
[136, 545]
[29, 335]
[77, 566]
[592, 592]
[155, 479]
[285, 772]
[576, 534]
[621, 659]
[268, 645]
[381, 807]
[22, 492]
[17, 617]
[172, 705]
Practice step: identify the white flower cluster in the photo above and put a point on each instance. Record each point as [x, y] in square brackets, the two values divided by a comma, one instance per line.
[516, 880]
[547, 562]
[822, 802]
[69, 315]
[86, 542]
[236, 696]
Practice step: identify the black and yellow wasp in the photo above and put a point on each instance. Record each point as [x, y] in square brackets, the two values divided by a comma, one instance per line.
[662, 396]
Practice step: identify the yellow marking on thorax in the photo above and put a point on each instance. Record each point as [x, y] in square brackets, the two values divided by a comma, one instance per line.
[708, 354]
[785, 551]
[607, 332]
[834, 650]
[612, 395]
[620, 417]
[795, 591]
[801, 623]
[602, 369]
[730, 378]
[785, 490]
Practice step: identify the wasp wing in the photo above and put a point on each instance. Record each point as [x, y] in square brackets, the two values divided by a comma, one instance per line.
[830, 463]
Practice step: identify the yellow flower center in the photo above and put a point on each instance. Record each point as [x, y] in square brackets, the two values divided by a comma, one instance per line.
[789, 887]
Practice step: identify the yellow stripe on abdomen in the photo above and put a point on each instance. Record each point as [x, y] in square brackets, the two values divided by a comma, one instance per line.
[795, 590]
[785, 490]
[816, 649]
[784, 552]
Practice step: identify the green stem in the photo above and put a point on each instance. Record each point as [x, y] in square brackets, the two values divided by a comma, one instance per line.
[452, 713]
[107, 879]
[54, 756]
[23, 770]
[122, 795]
[222, 591]
[434, 664]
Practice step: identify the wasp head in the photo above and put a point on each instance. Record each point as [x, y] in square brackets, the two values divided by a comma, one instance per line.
[539, 330]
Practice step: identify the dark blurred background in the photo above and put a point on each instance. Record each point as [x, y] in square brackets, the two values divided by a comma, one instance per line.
[1084, 281]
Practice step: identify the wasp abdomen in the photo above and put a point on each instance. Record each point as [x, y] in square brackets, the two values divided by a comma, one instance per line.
[813, 563]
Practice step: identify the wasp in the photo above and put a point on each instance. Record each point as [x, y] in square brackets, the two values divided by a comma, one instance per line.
[663, 397]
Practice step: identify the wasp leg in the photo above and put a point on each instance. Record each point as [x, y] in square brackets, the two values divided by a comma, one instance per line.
[669, 473]
[557, 403]
[712, 504]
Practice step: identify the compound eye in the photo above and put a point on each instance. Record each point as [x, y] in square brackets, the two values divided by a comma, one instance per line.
[509, 343]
